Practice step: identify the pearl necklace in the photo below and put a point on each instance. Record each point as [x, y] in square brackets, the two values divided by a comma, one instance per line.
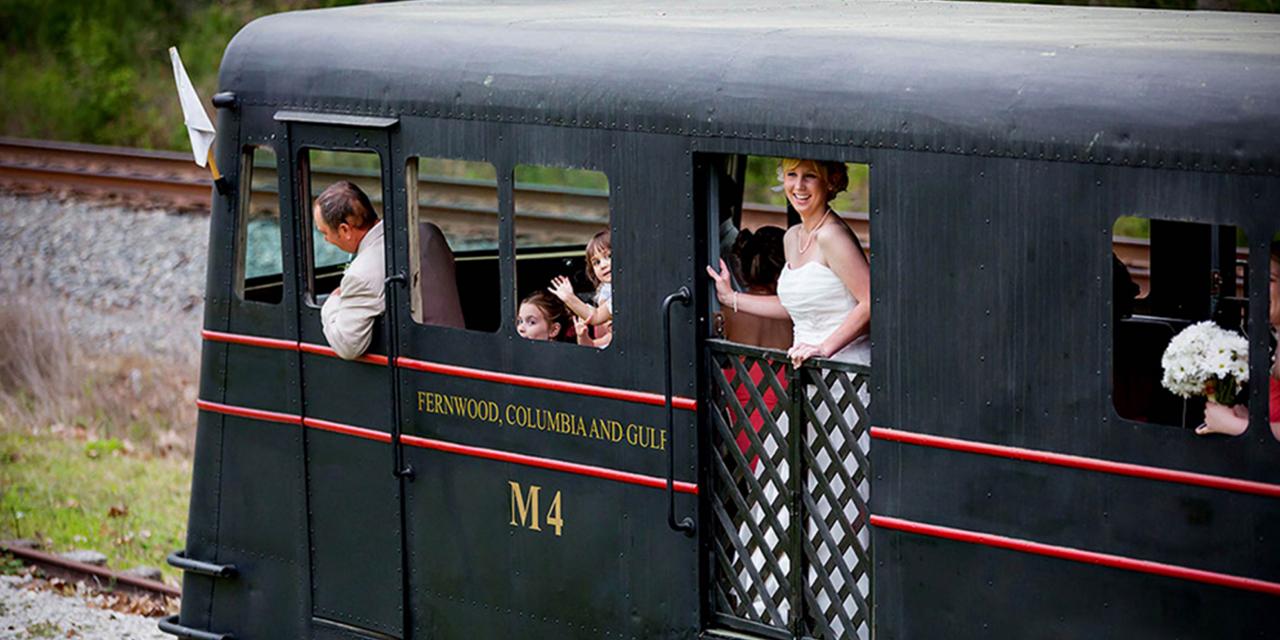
[808, 239]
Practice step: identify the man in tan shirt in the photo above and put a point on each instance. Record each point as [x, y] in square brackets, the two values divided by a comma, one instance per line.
[344, 215]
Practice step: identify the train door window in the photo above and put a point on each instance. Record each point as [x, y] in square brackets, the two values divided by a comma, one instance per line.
[751, 240]
[564, 268]
[323, 169]
[1171, 277]
[453, 243]
[258, 247]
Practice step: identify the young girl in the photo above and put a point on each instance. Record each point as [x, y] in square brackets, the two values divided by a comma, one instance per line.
[542, 317]
[600, 272]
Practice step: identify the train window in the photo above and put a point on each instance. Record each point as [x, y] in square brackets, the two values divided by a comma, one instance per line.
[564, 268]
[324, 168]
[1167, 276]
[453, 243]
[261, 267]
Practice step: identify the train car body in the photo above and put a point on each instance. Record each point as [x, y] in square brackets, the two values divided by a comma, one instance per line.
[472, 484]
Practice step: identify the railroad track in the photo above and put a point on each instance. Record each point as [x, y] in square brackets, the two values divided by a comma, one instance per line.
[102, 578]
[170, 180]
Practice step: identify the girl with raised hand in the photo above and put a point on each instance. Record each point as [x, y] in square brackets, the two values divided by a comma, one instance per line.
[600, 272]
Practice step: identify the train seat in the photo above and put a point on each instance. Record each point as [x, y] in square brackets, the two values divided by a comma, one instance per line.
[437, 280]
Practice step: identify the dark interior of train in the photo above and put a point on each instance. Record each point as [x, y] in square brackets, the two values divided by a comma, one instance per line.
[1193, 272]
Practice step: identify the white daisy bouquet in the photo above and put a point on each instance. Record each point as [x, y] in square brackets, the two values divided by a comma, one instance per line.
[1206, 360]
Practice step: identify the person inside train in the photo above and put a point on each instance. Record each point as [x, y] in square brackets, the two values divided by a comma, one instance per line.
[542, 317]
[592, 324]
[347, 220]
[1273, 318]
[1238, 422]
[825, 285]
[756, 259]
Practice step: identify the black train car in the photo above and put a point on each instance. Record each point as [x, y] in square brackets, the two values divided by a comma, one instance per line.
[487, 486]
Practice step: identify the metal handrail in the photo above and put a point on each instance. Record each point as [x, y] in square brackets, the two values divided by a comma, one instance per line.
[170, 626]
[686, 524]
[179, 560]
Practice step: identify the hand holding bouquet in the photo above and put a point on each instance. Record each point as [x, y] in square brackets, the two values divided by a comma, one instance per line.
[1207, 360]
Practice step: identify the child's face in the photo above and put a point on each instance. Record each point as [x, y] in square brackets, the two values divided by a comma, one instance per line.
[602, 265]
[531, 324]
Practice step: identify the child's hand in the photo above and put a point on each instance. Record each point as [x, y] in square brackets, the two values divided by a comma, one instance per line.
[561, 288]
[582, 331]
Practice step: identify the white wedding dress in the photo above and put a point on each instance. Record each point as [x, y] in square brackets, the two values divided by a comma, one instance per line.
[818, 302]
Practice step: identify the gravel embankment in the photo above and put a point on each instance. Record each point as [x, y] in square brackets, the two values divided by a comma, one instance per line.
[26, 613]
[125, 280]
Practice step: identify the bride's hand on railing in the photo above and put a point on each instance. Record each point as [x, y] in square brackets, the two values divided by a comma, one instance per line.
[801, 351]
[724, 290]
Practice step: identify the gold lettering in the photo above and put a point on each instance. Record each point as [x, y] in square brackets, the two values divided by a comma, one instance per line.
[523, 508]
[553, 514]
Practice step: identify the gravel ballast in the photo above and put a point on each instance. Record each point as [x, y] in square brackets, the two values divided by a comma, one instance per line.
[27, 613]
[125, 280]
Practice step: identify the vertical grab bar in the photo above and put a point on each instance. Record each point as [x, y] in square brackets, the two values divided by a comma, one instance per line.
[685, 525]
[399, 468]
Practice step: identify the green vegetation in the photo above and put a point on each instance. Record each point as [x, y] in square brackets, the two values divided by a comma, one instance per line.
[73, 494]
[44, 630]
[764, 185]
[98, 70]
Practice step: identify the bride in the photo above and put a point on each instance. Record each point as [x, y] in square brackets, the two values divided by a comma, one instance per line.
[825, 287]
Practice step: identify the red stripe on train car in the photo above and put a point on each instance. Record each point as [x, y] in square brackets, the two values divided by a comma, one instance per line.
[1078, 555]
[550, 463]
[1078, 462]
[252, 341]
[641, 397]
[347, 430]
[450, 447]
[245, 412]
[321, 350]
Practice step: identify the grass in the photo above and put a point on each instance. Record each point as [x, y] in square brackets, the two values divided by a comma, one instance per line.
[93, 446]
[72, 492]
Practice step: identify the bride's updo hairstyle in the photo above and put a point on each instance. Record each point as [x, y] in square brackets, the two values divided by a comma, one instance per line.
[834, 174]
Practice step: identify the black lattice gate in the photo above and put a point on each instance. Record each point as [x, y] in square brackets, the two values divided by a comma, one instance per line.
[790, 533]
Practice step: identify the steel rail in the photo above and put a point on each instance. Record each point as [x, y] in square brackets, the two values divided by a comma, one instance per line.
[65, 568]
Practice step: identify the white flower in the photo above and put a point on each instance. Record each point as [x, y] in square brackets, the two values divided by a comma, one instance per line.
[1203, 352]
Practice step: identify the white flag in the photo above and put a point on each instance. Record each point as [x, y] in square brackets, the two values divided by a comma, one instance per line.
[198, 126]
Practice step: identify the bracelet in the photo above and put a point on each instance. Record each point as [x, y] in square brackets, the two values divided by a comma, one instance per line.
[735, 301]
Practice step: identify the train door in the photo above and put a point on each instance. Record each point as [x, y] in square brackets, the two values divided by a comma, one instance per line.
[786, 468]
[352, 497]
[538, 505]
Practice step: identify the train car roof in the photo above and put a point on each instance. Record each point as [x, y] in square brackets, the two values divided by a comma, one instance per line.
[1194, 90]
